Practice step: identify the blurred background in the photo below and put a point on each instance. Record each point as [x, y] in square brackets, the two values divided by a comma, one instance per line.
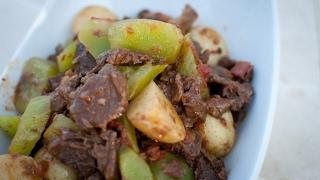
[294, 147]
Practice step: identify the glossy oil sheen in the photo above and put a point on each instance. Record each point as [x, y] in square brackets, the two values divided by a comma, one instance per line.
[249, 28]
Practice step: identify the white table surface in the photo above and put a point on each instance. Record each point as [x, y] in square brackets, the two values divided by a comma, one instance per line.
[294, 150]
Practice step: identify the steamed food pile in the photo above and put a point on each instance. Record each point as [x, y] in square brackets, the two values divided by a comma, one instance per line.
[151, 97]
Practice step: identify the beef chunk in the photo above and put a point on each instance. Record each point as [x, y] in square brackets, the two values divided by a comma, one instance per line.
[190, 147]
[216, 106]
[153, 153]
[123, 57]
[184, 21]
[226, 62]
[222, 72]
[103, 97]
[195, 107]
[173, 168]
[92, 155]
[83, 61]
[60, 96]
[242, 70]
[209, 170]
[54, 82]
[146, 14]
[187, 18]
[238, 93]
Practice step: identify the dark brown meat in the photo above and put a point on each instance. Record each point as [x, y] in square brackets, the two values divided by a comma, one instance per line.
[222, 72]
[58, 50]
[153, 153]
[194, 106]
[106, 155]
[226, 62]
[173, 168]
[92, 155]
[123, 57]
[61, 95]
[146, 14]
[83, 61]
[102, 98]
[186, 19]
[242, 70]
[54, 82]
[206, 170]
[238, 93]
[216, 106]
[190, 147]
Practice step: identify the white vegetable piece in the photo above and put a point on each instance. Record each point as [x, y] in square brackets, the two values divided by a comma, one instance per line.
[91, 11]
[218, 134]
[210, 40]
[19, 167]
[56, 169]
[153, 114]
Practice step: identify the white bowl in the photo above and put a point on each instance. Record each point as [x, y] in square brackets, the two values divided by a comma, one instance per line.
[249, 27]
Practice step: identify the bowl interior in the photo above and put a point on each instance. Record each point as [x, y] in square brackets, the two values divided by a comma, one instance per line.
[248, 27]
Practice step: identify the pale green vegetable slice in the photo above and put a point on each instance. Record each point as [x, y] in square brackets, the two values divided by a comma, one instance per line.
[130, 133]
[140, 76]
[132, 166]
[9, 124]
[32, 124]
[33, 82]
[65, 58]
[155, 38]
[94, 36]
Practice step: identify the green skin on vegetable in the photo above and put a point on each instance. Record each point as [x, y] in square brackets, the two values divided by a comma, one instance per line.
[155, 38]
[59, 122]
[32, 124]
[188, 64]
[33, 82]
[140, 76]
[130, 133]
[66, 57]
[9, 124]
[132, 166]
[159, 174]
[94, 36]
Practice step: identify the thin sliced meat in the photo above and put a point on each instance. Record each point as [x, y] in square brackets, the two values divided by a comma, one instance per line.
[123, 57]
[186, 19]
[216, 105]
[146, 14]
[54, 82]
[84, 61]
[153, 153]
[174, 169]
[61, 95]
[102, 98]
[226, 62]
[242, 70]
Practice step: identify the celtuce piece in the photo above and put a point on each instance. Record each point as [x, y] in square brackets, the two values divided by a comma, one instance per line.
[218, 134]
[210, 41]
[157, 39]
[91, 12]
[153, 114]
[32, 124]
[9, 124]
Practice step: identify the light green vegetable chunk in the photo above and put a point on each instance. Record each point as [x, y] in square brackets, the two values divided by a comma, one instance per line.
[59, 121]
[32, 124]
[188, 64]
[56, 169]
[132, 166]
[94, 36]
[9, 124]
[140, 76]
[130, 133]
[66, 57]
[155, 38]
[158, 166]
[33, 82]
